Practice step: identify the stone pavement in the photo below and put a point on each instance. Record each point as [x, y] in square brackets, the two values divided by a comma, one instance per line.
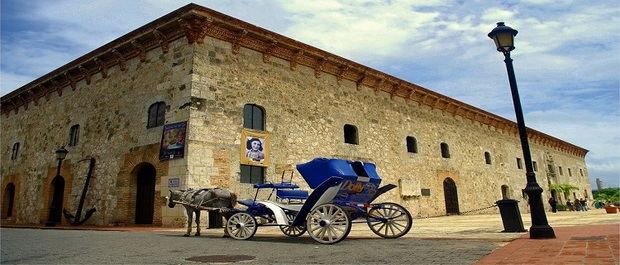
[582, 237]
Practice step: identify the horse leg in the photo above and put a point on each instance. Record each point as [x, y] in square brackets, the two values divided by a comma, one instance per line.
[197, 222]
[190, 216]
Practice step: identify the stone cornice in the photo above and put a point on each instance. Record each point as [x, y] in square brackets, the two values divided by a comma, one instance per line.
[195, 22]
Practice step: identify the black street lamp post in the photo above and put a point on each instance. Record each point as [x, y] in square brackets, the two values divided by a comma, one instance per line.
[504, 40]
[61, 154]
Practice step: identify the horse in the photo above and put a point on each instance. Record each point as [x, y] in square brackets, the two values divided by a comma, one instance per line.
[192, 199]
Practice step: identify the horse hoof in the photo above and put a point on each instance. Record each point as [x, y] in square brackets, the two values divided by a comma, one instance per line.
[186, 235]
[225, 236]
[197, 234]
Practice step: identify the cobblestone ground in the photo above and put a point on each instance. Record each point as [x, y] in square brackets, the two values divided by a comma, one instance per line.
[38, 246]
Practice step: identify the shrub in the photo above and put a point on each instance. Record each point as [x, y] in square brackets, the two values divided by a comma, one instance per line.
[562, 207]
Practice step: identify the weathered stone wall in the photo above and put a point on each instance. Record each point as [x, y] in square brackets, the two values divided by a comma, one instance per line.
[305, 116]
[208, 85]
[112, 114]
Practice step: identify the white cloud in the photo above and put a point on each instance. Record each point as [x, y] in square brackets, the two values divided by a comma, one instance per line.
[357, 29]
[496, 14]
[567, 58]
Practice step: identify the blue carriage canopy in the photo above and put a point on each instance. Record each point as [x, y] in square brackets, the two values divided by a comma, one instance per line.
[320, 169]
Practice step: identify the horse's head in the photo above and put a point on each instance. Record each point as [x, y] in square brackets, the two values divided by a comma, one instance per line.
[173, 195]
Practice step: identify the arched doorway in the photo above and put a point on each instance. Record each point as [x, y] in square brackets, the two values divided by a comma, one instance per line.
[145, 193]
[451, 196]
[505, 191]
[8, 201]
[58, 194]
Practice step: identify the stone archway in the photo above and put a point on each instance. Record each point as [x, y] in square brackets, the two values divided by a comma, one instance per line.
[8, 201]
[57, 199]
[145, 175]
[451, 196]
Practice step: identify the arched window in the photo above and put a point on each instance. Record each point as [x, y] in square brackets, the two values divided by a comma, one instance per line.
[445, 150]
[412, 144]
[74, 135]
[253, 117]
[157, 114]
[505, 192]
[487, 158]
[350, 134]
[15, 151]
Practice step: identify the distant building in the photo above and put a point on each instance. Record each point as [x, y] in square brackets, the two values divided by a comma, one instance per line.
[599, 184]
[183, 102]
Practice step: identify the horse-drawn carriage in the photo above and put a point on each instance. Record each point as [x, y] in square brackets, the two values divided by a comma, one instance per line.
[343, 192]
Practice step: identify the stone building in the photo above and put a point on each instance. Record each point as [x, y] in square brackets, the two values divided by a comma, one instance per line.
[227, 79]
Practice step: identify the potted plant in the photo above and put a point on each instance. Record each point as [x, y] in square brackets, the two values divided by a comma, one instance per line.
[608, 197]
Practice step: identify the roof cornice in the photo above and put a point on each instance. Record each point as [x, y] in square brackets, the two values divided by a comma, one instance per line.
[195, 22]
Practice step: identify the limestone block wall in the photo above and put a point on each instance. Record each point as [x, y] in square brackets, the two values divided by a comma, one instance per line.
[112, 114]
[305, 115]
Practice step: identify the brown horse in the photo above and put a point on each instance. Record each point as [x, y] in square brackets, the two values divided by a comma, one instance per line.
[192, 200]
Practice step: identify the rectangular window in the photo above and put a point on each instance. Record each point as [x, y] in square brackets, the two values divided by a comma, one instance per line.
[445, 150]
[252, 174]
[426, 192]
[560, 169]
[570, 174]
[519, 165]
[535, 165]
[581, 172]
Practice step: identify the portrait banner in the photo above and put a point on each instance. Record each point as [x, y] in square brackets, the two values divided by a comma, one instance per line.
[173, 141]
[254, 148]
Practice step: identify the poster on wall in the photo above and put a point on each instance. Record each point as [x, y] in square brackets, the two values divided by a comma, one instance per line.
[173, 141]
[254, 148]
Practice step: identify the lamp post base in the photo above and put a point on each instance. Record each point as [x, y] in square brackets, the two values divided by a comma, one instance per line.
[541, 232]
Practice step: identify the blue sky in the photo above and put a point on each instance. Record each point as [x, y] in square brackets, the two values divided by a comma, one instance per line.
[567, 57]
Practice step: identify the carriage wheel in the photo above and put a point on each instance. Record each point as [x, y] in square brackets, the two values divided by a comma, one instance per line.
[292, 231]
[389, 220]
[328, 224]
[241, 226]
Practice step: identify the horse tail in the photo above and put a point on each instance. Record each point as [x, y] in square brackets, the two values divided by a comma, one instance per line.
[233, 199]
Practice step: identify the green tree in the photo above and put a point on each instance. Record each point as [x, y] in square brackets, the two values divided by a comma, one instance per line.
[608, 196]
[562, 188]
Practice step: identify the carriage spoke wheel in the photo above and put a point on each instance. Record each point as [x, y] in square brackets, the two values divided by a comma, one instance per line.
[328, 224]
[241, 226]
[292, 231]
[389, 220]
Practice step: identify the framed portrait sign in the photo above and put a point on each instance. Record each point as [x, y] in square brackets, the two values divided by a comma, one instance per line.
[173, 141]
[255, 148]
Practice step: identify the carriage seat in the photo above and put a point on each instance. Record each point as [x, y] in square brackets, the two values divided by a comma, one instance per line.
[292, 194]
